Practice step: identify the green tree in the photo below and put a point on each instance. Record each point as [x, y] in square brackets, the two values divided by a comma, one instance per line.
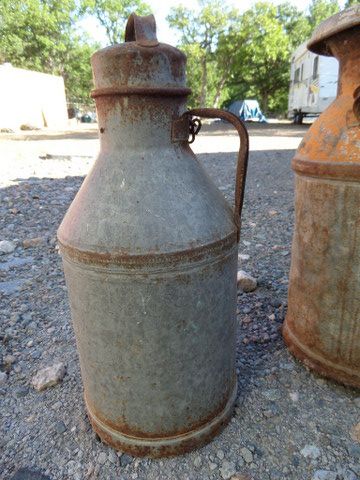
[295, 24]
[41, 35]
[319, 10]
[201, 32]
[113, 14]
[262, 70]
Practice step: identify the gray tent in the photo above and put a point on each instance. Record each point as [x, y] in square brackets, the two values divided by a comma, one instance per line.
[247, 110]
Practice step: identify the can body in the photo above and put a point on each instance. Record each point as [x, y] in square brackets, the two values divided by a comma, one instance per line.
[157, 348]
[322, 326]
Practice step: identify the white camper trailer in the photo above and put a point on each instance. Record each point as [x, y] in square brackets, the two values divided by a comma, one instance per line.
[313, 83]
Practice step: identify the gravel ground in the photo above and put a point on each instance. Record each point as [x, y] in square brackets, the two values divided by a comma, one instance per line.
[288, 424]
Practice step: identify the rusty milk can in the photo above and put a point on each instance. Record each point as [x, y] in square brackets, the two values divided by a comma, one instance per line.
[322, 326]
[149, 248]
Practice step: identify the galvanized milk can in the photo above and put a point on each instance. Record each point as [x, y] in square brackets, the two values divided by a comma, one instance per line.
[149, 247]
[322, 326]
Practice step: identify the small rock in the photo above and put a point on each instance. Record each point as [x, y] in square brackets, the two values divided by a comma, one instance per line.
[220, 455]
[33, 242]
[27, 474]
[102, 457]
[271, 394]
[113, 457]
[9, 360]
[60, 427]
[294, 396]
[22, 392]
[357, 401]
[243, 256]
[49, 376]
[3, 378]
[197, 462]
[56, 405]
[272, 213]
[355, 433]
[272, 317]
[275, 302]
[246, 455]
[324, 475]
[6, 247]
[227, 469]
[212, 466]
[125, 460]
[311, 451]
[246, 282]
[354, 450]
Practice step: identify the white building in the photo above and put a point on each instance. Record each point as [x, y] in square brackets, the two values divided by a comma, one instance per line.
[31, 98]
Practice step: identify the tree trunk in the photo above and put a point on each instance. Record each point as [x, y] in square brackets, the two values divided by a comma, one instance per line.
[219, 88]
[203, 91]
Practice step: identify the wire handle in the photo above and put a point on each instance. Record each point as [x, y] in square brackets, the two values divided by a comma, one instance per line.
[243, 154]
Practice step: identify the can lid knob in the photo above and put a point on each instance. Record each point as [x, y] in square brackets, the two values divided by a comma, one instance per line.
[141, 30]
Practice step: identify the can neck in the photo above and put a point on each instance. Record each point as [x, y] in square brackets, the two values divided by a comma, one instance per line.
[136, 121]
[345, 47]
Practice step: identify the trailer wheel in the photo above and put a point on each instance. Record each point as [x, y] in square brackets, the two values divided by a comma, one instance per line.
[298, 118]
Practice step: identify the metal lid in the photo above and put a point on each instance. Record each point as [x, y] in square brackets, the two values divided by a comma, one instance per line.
[141, 65]
[333, 25]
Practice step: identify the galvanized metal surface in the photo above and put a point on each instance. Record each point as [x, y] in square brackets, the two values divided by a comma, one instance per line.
[322, 326]
[149, 248]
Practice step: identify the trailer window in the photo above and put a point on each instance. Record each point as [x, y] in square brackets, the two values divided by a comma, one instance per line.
[297, 76]
[315, 67]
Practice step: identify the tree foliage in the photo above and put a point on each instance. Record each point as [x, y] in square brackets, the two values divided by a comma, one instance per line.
[233, 55]
[200, 35]
[113, 14]
[41, 35]
[230, 55]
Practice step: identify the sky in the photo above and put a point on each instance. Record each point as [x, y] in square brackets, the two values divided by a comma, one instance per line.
[161, 8]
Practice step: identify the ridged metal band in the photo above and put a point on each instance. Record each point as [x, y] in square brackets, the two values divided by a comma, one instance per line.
[313, 360]
[139, 90]
[333, 170]
[152, 263]
[165, 446]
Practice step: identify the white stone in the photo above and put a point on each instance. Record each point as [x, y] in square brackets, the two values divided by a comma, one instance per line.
[6, 247]
[49, 376]
[246, 282]
[227, 469]
[294, 396]
[243, 256]
[246, 455]
[311, 451]
[220, 454]
[102, 457]
[197, 462]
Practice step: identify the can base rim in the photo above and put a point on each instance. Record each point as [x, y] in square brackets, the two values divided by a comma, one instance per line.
[167, 446]
[318, 363]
